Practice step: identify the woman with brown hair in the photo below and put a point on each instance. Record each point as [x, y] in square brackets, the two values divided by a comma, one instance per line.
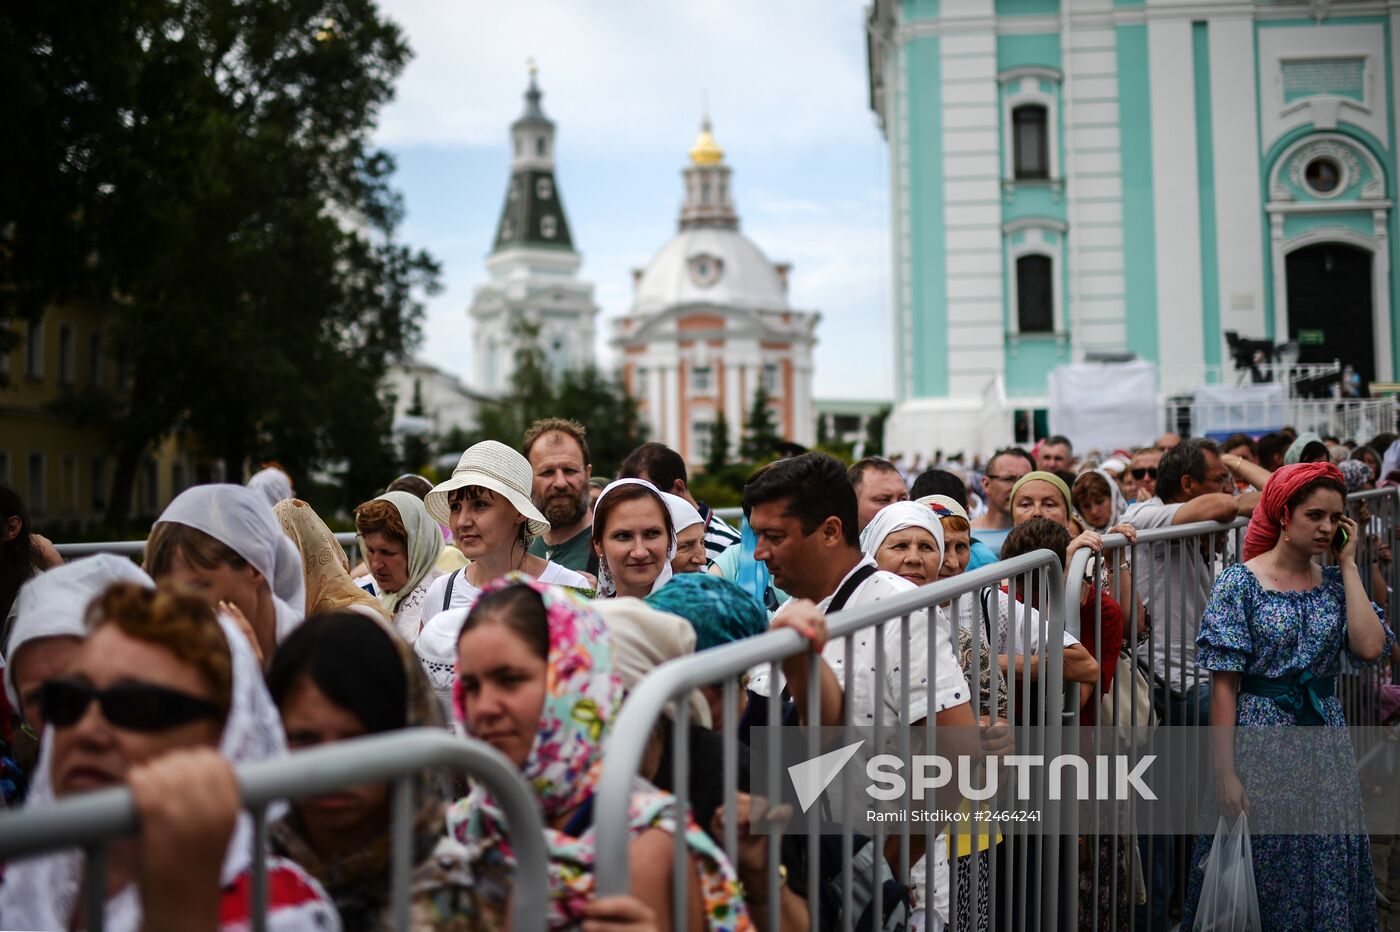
[400, 543]
[634, 539]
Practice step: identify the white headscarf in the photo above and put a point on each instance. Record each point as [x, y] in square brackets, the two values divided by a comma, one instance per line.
[55, 604]
[1390, 461]
[643, 638]
[273, 483]
[1118, 504]
[42, 892]
[241, 520]
[607, 587]
[683, 513]
[424, 545]
[899, 516]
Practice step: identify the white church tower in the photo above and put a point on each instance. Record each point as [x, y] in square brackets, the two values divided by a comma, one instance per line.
[533, 266]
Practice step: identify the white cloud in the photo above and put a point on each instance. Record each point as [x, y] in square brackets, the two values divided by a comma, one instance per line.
[631, 72]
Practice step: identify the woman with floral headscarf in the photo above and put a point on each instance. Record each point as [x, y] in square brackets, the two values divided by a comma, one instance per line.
[536, 681]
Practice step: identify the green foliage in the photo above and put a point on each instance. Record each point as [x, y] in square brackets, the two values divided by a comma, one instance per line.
[416, 447]
[599, 403]
[719, 445]
[761, 436]
[875, 432]
[200, 172]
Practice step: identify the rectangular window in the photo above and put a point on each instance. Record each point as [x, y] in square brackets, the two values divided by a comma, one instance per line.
[5, 468]
[99, 483]
[70, 483]
[701, 433]
[770, 378]
[150, 488]
[37, 498]
[67, 355]
[1035, 298]
[1031, 142]
[95, 359]
[34, 350]
[177, 478]
[701, 380]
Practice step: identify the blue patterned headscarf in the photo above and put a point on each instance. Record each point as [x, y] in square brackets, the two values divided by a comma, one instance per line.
[718, 609]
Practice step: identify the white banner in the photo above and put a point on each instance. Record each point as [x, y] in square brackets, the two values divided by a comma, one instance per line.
[1105, 405]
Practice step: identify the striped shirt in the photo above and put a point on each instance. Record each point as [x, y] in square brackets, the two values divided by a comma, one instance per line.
[719, 536]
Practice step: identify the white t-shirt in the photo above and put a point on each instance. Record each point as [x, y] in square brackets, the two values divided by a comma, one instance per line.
[464, 594]
[949, 686]
[1178, 585]
[1005, 637]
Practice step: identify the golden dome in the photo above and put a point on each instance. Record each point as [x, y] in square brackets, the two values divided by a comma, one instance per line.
[706, 151]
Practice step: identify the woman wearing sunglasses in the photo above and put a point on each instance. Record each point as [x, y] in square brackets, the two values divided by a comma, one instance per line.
[158, 686]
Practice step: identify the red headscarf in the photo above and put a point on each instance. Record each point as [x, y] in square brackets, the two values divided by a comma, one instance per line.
[1265, 524]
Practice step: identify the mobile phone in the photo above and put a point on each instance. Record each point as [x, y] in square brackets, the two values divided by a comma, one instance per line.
[1339, 541]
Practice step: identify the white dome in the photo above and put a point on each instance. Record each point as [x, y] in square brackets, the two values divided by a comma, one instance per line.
[715, 266]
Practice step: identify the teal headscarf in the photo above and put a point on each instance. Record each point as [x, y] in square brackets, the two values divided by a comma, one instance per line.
[719, 610]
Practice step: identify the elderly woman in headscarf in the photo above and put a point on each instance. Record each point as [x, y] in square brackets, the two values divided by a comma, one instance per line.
[400, 543]
[340, 676]
[159, 684]
[634, 539]
[1307, 448]
[689, 529]
[537, 680]
[1273, 636]
[329, 586]
[223, 541]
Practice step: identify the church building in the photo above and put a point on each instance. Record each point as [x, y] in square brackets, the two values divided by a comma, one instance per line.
[710, 322]
[1089, 178]
[533, 266]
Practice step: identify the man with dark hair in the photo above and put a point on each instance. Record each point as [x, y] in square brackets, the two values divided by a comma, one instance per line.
[1056, 453]
[942, 482]
[557, 449]
[877, 483]
[1189, 479]
[664, 468]
[1003, 470]
[1271, 450]
[803, 512]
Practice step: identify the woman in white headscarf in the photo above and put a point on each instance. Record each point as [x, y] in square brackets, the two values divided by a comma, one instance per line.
[689, 528]
[905, 538]
[177, 683]
[272, 483]
[1097, 500]
[223, 541]
[401, 544]
[634, 539]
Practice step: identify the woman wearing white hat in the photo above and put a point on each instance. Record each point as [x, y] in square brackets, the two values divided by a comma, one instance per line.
[486, 504]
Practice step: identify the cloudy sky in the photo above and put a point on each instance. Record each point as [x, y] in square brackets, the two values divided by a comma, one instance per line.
[625, 82]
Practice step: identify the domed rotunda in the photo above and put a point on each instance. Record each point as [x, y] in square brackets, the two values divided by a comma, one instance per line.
[710, 322]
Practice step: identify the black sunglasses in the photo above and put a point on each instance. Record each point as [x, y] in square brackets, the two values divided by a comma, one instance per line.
[130, 706]
[1140, 472]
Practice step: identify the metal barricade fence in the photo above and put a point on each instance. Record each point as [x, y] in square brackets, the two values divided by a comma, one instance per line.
[1031, 855]
[92, 820]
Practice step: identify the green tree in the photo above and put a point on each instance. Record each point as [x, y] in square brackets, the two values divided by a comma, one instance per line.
[417, 448]
[719, 445]
[200, 172]
[761, 436]
[875, 432]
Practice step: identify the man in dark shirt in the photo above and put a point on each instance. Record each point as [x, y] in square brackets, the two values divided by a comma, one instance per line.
[558, 453]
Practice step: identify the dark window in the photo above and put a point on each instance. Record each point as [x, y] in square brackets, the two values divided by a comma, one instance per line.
[1031, 141]
[1035, 299]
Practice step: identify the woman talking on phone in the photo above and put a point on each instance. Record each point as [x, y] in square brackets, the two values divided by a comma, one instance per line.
[1272, 637]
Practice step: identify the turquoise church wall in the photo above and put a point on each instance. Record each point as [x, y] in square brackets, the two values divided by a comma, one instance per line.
[928, 252]
[1139, 218]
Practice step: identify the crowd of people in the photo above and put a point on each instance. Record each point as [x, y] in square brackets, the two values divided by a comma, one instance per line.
[520, 599]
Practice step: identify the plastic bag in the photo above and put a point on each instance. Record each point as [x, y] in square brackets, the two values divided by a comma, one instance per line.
[1228, 901]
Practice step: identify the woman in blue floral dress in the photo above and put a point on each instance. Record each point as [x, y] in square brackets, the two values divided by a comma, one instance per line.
[1272, 637]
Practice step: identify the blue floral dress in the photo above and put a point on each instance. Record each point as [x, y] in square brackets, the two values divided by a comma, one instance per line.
[1304, 882]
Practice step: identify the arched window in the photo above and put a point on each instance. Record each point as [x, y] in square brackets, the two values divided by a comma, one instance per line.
[1030, 142]
[1035, 295]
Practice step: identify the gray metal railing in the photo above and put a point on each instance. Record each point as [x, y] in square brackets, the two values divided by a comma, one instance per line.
[92, 820]
[1033, 856]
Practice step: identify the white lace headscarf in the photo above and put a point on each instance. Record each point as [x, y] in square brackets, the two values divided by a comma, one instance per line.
[42, 892]
[241, 519]
[423, 546]
[607, 586]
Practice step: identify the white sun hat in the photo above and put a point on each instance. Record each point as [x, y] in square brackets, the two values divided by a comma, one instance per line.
[492, 465]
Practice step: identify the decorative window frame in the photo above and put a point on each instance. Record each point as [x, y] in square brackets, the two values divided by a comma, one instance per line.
[1035, 243]
[1022, 86]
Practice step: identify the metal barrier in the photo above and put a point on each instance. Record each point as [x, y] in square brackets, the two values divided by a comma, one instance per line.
[94, 819]
[1032, 856]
